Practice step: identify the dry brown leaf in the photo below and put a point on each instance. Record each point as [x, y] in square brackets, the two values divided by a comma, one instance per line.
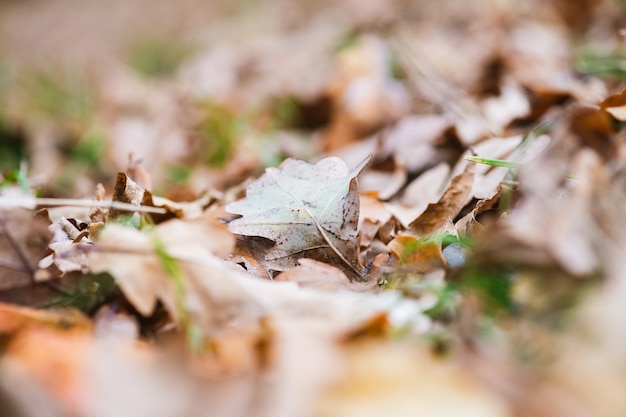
[320, 276]
[385, 183]
[125, 191]
[128, 192]
[449, 205]
[372, 209]
[372, 216]
[249, 252]
[593, 128]
[419, 142]
[23, 242]
[419, 193]
[616, 105]
[468, 225]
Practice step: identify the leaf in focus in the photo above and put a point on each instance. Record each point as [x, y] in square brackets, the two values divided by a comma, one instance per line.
[303, 207]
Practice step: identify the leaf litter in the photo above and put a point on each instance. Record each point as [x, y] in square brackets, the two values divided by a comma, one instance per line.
[190, 239]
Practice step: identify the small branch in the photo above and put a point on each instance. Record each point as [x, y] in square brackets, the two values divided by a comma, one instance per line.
[32, 203]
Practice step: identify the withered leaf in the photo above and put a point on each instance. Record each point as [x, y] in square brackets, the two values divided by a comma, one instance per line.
[303, 208]
[23, 242]
[320, 276]
[423, 255]
[615, 105]
[448, 206]
[128, 192]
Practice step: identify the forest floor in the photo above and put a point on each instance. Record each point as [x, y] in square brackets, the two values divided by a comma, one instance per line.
[278, 209]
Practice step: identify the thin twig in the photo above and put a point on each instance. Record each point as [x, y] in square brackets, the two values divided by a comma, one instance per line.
[32, 203]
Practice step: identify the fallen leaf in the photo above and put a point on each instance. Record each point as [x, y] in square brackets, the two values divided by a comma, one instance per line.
[422, 255]
[318, 275]
[215, 295]
[385, 183]
[419, 193]
[303, 208]
[616, 105]
[416, 142]
[23, 242]
[449, 205]
[128, 192]
[373, 215]
[468, 225]
[125, 191]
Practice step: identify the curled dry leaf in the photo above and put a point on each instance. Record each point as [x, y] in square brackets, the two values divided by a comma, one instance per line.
[385, 184]
[125, 191]
[128, 192]
[615, 105]
[372, 217]
[449, 205]
[468, 225]
[305, 209]
[424, 190]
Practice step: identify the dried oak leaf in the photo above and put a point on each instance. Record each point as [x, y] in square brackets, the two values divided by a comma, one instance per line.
[308, 210]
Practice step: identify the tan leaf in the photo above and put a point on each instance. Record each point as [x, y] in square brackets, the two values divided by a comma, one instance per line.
[449, 205]
[424, 190]
[468, 225]
[23, 242]
[422, 255]
[385, 183]
[318, 275]
[215, 295]
[372, 216]
[126, 191]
